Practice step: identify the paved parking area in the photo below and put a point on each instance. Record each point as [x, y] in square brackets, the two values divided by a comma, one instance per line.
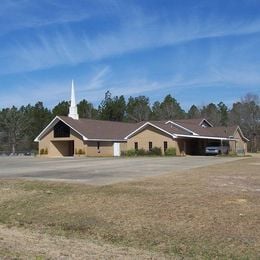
[99, 171]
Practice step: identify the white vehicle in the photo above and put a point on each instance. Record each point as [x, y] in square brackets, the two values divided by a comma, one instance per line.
[216, 148]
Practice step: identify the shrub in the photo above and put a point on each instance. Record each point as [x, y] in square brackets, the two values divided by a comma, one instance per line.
[170, 151]
[155, 151]
[141, 152]
[123, 153]
[131, 152]
[46, 151]
[42, 151]
[81, 151]
[232, 153]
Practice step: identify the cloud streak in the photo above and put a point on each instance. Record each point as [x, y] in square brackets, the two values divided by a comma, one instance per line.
[127, 48]
[66, 47]
[24, 14]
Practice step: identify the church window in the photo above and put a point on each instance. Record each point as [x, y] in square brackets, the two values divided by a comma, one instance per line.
[61, 130]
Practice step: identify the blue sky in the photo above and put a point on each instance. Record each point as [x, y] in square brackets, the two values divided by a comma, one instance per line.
[198, 51]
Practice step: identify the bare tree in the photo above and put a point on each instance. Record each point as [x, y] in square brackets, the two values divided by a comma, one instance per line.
[247, 114]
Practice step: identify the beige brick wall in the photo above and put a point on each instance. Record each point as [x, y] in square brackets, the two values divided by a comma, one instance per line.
[58, 146]
[151, 134]
[105, 148]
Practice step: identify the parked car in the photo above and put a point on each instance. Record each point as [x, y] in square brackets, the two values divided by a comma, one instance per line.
[216, 148]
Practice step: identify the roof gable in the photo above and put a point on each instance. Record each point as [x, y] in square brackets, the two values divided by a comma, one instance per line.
[239, 131]
[144, 125]
[50, 126]
[205, 123]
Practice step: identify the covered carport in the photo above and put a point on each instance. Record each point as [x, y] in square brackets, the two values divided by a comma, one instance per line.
[194, 146]
[197, 146]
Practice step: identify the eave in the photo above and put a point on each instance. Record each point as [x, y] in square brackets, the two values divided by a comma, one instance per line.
[207, 137]
[182, 127]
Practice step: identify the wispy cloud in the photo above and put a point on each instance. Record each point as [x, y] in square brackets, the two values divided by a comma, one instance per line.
[94, 86]
[24, 14]
[98, 80]
[66, 47]
[107, 39]
[50, 93]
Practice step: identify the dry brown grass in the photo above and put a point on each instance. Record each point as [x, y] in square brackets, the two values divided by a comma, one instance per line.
[210, 212]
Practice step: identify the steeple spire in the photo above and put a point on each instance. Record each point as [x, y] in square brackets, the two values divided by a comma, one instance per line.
[73, 113]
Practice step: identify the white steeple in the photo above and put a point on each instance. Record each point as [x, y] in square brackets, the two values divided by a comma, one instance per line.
[73, 113]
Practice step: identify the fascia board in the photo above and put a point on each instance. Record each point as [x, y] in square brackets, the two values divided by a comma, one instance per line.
[239, 129]
[208, 137]
[55, 119]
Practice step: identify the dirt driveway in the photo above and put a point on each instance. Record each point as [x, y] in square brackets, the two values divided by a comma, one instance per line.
[100, 171]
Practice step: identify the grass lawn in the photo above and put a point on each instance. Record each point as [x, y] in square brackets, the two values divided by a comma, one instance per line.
[204, 213]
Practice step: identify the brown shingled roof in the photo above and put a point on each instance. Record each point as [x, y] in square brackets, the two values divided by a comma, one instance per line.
[117, 131]
[173, 129]
[194, 126]
[221, 131]
[112, 130]
[101, 129]
[195, 121]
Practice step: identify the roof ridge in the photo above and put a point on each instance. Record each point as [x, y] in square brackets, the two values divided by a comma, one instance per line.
[101, 120]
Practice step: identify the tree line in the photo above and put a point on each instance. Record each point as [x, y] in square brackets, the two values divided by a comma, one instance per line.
[20, 126]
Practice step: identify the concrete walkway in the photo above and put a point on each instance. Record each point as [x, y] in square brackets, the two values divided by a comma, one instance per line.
[99, 171]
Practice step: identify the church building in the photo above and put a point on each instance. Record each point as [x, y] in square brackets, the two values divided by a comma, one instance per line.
[73, 136]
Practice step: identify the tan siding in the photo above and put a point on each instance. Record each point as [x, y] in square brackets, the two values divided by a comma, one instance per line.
[123, 147]
[105, 148]
[151, 134]
[232, 146]
[238, 145]
[59, 146]
[45, 142]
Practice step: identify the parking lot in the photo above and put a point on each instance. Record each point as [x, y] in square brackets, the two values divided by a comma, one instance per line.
[99, 171]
